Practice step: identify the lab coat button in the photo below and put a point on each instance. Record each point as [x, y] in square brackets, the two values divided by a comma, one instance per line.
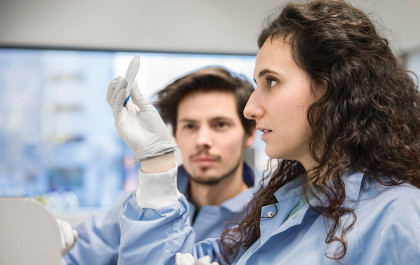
[270, 214]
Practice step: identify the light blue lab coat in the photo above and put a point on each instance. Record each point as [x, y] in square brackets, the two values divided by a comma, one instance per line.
[99, 234]
[386, 231]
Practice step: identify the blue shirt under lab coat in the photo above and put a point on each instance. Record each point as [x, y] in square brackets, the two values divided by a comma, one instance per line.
[99, 234]
[386, 231]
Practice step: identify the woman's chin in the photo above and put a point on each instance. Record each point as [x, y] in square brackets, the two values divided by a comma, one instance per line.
[272, 154]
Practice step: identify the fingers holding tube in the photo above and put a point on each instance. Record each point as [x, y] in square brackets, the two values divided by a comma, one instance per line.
[111, 88]
[116, 93]
[139, 100]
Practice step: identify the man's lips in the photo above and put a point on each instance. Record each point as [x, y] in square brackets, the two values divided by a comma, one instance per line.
[204, 161]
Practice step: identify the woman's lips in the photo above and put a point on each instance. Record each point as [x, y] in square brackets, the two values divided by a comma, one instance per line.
[266, 133]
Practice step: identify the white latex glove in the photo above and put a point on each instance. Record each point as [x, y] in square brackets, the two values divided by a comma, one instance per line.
[188, 259]
[138, 124]
[68, 236]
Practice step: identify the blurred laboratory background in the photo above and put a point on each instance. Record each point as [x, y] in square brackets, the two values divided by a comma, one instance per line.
[58, 143]
[57, 137]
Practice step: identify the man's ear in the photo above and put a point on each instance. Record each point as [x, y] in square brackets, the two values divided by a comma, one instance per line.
[173, 129]
[250, 137]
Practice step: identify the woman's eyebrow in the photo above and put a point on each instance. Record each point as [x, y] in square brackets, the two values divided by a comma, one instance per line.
[266, 72]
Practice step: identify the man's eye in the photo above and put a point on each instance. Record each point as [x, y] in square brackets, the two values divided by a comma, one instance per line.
[189, 126]
[221, 125]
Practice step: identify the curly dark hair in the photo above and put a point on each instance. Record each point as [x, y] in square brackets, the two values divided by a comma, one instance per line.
[211, 78]
[368, 119]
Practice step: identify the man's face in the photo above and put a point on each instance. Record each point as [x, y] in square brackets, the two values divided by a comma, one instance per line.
[210, 135]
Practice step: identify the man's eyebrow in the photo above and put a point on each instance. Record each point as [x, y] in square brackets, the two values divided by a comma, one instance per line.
[218, 118]
[221, 118]
[187, 120]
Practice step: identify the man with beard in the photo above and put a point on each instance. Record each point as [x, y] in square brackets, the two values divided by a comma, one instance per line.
[204, 109]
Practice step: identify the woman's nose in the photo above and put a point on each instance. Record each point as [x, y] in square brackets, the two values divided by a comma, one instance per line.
[252, 109]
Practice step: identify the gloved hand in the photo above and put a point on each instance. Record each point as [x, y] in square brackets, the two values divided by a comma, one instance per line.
[188, 259]
[68, 236]
[138, 124]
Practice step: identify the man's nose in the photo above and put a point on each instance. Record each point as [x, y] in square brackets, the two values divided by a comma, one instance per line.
[204, 137]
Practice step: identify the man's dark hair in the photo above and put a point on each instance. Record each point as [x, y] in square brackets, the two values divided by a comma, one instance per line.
[205, 79]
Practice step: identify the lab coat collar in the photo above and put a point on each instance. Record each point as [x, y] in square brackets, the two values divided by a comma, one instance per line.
[289, 190]
[236, 203]
[292, 191]
[352, 180]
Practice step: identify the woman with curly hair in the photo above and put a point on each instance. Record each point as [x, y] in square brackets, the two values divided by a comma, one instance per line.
[336, 106]
[341, 115]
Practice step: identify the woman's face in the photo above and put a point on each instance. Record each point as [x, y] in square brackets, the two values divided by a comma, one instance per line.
[280, 102]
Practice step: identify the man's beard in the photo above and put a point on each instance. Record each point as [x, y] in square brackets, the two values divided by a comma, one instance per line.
[217, 180]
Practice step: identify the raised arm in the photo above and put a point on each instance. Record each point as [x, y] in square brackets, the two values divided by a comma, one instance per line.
[154, 222]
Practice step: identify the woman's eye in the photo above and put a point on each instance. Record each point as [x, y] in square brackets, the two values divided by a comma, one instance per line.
[271, 82]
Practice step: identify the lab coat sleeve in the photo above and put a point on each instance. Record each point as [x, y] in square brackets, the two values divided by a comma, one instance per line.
[99, 238]
[154, 233]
